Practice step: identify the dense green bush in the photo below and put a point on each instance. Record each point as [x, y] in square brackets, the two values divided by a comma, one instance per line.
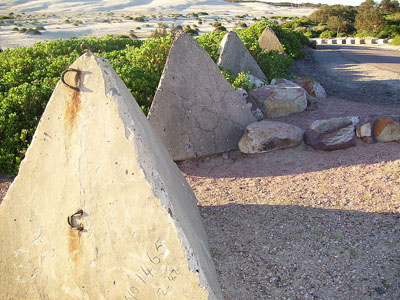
[396, 40]
[327, 34]
[210, 42]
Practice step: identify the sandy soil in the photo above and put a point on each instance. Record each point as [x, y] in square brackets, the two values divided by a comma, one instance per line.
[103, 17]
[301, 223]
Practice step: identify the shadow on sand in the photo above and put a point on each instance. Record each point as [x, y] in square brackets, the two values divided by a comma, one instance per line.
[293, 252]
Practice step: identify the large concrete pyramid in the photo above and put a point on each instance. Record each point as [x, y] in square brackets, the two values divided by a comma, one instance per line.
[195, 110]
[269, 41]
[234, 56]
[98, 209]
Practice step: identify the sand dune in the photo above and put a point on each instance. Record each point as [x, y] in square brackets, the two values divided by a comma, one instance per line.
[101, 17]
[60, 6]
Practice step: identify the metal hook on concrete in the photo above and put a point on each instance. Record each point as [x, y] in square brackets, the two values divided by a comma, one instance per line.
[78, 72]
[72, 220]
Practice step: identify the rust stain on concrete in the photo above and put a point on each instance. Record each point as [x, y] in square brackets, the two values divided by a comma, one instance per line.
[74, 245]
[73, 105]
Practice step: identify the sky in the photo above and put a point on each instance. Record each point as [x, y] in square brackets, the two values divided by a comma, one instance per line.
[330, 2]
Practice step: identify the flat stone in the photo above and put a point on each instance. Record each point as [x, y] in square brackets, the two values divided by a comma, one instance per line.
[279, 100]
[234, 56]
[195, 111]
[269, 41]
[266, 136]
[332, 134]
[98, 209]
[312, 102]
[375, 129]
[313, 87]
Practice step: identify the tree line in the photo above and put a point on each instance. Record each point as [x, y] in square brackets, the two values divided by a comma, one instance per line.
[370, 18]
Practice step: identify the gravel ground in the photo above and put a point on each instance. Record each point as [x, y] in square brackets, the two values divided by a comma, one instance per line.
[304, 224]
[342, 76]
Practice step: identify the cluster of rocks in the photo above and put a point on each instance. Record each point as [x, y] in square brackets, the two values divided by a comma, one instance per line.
[330, 134]
[284, 97]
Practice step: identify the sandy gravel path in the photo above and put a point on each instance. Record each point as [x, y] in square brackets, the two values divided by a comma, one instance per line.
[366, 74]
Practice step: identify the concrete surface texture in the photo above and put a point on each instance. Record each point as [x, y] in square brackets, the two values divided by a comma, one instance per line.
[234, 56]
[269, 41]
[195, 111]
[98, 209]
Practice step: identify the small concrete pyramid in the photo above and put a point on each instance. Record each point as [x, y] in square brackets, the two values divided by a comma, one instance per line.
[269, 41]
[195, 111]
[234, 56]
[98, 209]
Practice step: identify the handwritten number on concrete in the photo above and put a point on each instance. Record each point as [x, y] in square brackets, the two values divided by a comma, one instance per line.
[155, 260]
[132, 292]
[161, 291]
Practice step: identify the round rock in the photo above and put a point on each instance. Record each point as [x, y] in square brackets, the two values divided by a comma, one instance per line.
[267, 136]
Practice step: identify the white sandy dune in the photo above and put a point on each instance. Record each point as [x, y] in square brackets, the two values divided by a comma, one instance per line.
[82, 6]
[101, 17]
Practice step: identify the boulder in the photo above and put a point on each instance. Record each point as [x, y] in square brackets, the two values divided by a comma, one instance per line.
[375, 129]
[332, 134]
[254, 81]
[275, 81]
[312, 87]
[279, 100]
[99, 210]
[195, 111]
[269, 41]
[234, 56]
[312, 102]
[267, 136]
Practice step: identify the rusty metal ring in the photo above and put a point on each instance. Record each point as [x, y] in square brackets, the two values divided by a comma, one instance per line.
[78, 72]
[71, 219]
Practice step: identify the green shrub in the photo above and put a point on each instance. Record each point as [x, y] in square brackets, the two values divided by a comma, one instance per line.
[242, 81]
[210, 42]
[191, 31]
[327, 34]
[33, 31]
[220, 28]
[140, 19]
[396, 40]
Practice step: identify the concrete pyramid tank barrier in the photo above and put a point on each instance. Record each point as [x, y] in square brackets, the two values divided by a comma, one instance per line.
[196, 111]
[269, 41]
[98, 209]
[234, 56]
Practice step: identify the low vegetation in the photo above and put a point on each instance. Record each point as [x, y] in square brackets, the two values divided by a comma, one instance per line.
[28, 75]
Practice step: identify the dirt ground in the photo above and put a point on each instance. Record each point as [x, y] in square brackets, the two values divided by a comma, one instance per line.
[303, 224]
